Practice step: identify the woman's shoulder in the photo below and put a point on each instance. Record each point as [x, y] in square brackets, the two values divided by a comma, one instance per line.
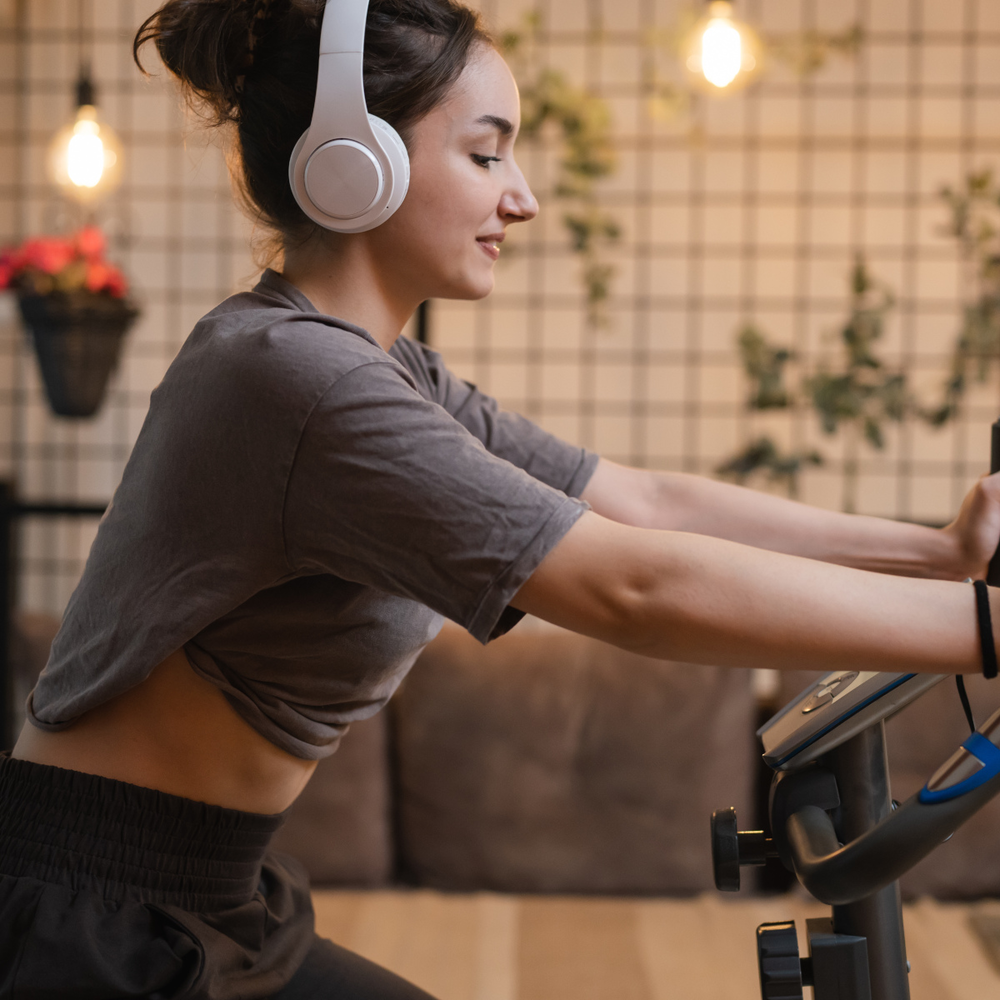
[250, 330]
[257, 346]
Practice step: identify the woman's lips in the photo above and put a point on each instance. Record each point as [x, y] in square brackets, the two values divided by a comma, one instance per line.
[490, 245]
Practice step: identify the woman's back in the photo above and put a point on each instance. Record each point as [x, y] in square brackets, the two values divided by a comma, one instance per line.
[175, 732]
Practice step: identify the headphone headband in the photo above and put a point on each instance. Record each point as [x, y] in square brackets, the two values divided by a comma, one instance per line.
[343, 27]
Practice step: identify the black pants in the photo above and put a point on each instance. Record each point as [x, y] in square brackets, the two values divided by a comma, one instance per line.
[109, 890]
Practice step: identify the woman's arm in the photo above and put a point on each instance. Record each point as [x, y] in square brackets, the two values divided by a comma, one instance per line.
[681, 596]
[680, 502]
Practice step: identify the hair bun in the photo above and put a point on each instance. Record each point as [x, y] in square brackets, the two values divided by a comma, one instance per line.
[207, 45]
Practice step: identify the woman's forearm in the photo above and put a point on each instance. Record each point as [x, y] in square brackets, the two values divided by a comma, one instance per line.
[696, 504]
[688, 597]
[675, 501]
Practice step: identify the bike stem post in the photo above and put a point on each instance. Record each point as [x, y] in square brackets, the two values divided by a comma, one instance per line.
[861, 769]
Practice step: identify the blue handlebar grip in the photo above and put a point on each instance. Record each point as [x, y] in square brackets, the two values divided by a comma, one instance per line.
[986, 753]
[993, 573]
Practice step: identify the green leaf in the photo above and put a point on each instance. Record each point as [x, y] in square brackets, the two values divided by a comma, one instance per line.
[582, 122]
[764, 366]
[873, 433]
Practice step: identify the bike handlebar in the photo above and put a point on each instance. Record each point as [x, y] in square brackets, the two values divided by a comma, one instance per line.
[993, 573]
[838, 874]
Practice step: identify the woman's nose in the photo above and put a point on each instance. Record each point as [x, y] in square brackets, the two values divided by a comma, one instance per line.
[518, 204]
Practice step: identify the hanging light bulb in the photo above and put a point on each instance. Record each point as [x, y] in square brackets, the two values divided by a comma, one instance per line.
[722, 54]
[85, 156]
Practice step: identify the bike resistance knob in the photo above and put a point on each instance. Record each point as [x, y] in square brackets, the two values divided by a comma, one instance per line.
[732, 848]
[778, 962]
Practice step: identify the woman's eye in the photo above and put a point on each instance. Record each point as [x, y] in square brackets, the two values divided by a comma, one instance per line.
[484, 161]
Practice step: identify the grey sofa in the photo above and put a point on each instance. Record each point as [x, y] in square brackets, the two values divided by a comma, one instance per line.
[544, 762]
[547, 762]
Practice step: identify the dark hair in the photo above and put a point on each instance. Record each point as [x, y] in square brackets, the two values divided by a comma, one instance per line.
[252, 66]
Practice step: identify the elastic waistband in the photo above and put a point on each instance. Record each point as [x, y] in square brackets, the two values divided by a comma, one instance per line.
[127, 842]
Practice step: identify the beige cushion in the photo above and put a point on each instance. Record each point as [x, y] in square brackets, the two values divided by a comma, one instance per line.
[551, 762]
[340, 827]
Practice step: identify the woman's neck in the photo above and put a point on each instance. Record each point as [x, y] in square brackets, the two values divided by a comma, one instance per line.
[346, 283]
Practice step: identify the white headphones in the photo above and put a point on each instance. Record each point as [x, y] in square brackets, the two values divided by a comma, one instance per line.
[350, 170]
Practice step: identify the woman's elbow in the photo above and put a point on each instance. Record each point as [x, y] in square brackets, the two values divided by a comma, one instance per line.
[605, 580]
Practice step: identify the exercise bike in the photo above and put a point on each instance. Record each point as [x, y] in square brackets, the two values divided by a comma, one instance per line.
[836, 827]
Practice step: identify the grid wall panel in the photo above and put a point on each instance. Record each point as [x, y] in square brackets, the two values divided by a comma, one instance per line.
[755, 216]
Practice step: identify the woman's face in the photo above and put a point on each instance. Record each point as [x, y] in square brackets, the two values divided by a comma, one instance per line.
[465, 188]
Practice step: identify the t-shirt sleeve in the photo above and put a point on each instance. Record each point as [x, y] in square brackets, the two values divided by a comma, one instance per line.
[389, 491]
[505, 434]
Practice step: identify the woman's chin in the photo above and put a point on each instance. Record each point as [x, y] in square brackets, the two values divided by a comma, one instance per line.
[477, 287]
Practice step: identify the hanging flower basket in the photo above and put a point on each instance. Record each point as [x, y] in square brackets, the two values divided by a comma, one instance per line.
[78, 340]
[74, 306]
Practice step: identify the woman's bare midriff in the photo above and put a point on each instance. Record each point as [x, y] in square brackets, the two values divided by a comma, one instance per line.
[175, 732]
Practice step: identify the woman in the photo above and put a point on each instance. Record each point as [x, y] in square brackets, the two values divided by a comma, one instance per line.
[310, 495]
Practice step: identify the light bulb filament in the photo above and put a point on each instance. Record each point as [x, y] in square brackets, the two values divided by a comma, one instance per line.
[721, 52]
[85, 155]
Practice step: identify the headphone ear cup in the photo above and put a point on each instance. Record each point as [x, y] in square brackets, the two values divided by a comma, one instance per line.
[399, 159]
[392, 148]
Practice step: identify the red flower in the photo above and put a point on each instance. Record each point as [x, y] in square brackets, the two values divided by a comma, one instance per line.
[97, 275]
[52, 255]
[48, 253]
[90, 242]
[103, 277]
[13, 257]
[117, 284]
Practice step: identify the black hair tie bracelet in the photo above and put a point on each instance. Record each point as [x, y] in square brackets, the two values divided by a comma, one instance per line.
[986, 644]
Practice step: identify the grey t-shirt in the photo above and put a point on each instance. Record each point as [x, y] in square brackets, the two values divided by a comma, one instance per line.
[299, 512]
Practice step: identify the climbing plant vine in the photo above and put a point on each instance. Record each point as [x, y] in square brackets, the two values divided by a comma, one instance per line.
[851, 390]
[581, 124]
[974, 222]
[860, 394]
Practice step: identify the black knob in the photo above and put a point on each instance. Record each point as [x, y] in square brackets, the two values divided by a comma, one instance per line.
[778, 962]
[732, 848]
[725, 850]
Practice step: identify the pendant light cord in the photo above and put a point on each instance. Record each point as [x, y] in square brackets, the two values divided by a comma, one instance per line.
[84, 83]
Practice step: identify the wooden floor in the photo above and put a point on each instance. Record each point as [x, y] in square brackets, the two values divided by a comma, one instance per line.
[490, 947]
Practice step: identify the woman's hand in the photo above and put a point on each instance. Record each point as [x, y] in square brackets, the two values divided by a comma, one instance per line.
[976, 531]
